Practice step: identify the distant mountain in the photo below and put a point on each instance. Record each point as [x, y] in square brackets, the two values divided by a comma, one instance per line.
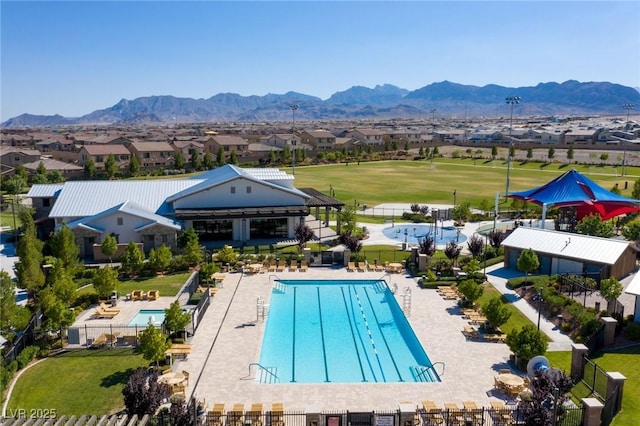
[383, 101]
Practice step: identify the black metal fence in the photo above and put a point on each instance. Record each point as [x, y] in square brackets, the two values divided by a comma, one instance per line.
[28, 337]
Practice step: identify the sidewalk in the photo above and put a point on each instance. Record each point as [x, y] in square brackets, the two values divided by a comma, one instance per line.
[498, 276]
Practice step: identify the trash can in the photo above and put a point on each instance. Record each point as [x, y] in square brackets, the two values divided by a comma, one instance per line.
[114, 298]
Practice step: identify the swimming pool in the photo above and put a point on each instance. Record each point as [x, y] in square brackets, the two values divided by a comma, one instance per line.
[339, 331]
[144, 316]
[415, 233]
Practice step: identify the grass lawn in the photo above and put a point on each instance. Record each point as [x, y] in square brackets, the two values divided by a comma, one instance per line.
[78, 382]
[168, 285]
[517, 319]
[418, 181]
[624, 361]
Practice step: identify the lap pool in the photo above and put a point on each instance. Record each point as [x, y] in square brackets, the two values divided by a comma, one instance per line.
[339, 331]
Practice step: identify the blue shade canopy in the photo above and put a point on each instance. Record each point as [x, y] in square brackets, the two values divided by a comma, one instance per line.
[574, 189]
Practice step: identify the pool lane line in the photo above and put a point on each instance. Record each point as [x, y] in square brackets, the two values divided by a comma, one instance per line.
[384, 339]
[371, 340]
[293, 341]
[324, 350]
[353, 336]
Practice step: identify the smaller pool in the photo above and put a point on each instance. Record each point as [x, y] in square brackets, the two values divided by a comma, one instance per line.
[146, 316]
[414, 233]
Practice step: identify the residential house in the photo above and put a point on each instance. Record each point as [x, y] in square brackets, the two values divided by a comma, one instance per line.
[100, 154]
[368, 136]
[320, 140]
[228, 144]
[10, 157]
[153, 155]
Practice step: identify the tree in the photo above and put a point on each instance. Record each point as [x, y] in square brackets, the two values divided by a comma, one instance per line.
[595, 226]
[207, 161]
[496, 312]
[470, 290]
[452, 251]
[636, 189]
[631, 231]
[29, 269]
[529, 153]
[134, 166]
[485, 205]
[544, 403]
[347, 218]
[110, 166]
[61, 282]
[15, 184]
[471, 267]
[233, 158]
[55, 177]
[186, 236]
[273, 158]
[178, 160]
[615, 189]
[153, 344]
[604, 157]
[570, 153]
[132, 259]
[435, 151]
[227, 254]
[14, 317]
[303, 234]
[494, 152]
[195, 161]
[415, 208]
[160, 258]
[90, 169]
[143, 394]
[427, 245]
[475, 245]
[527, 342]
[41, 169]
[181, 412]
[175, 319]
[528, 262]
[56, 312]
[610, 290]
[351, 242]
[193, 252]
[461, 212]
[495, 239]
[105, 281]
[551, 153]
[63, 246]
[220, 159]
[109, 246]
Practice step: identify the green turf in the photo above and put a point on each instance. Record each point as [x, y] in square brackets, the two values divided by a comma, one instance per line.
[80, 382]
[420, 182]
[167, 285]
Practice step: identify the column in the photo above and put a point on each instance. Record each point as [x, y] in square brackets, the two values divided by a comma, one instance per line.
[591, 411]
[616, 380]
[578, 352]
[609, 330]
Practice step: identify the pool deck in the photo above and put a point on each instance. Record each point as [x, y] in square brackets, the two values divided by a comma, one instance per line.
[230, 336]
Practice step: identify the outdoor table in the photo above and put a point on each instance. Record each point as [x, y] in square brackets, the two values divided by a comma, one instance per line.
[395, 267]
[255, 268]
[172, 378]
[510, 380]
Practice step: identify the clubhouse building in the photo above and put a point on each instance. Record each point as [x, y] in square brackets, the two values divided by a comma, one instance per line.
[224, 205]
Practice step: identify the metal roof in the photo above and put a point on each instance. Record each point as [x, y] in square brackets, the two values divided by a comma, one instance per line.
[88, 198]
[566, 245]
[634, 285]
[45, 190]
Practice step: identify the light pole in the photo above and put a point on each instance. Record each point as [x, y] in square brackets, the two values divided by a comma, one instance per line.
[511, 100]
[539, 300]
[454, 198]
[628, 107]
[293, 107]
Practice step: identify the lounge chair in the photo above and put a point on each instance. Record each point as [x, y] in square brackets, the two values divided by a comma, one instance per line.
[351, 267]
[99, 341]
[235, 415]
[454, 414]
[360, 267]
[106, 308]
[254, 415]
[281, 265]
[277, 414]
[432, 413]
[470, 332]
[153, 295]
[100, 313]
[215, 416]
[303, 266]
[272, 266]
[293, 266]
[473, 412]
[137, 295]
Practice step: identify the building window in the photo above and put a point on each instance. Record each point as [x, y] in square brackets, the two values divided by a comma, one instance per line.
[233, 189]
[248, 190]
[146, 155]
[165, 239]
[46, 202]
[120, 221]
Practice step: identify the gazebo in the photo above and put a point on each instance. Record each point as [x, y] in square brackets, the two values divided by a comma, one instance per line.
[573, 189]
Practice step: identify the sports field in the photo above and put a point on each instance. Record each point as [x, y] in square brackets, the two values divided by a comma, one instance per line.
[424, 182]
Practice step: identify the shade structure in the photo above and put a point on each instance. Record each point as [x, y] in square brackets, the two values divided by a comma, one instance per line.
[573, 189]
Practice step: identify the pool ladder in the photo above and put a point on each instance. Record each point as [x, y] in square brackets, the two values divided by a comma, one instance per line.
[406, 301]
[262, 309]
[267, 374]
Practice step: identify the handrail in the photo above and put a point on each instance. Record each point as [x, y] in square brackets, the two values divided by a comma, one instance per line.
[263, 369]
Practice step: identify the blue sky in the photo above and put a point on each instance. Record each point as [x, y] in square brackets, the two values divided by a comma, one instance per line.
[71, 58]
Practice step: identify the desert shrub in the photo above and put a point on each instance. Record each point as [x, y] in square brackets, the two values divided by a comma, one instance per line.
[27, 355]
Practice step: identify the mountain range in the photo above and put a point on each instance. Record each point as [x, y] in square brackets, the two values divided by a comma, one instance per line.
[383, 101]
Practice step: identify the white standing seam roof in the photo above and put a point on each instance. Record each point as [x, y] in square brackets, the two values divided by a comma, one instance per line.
[634, 285]
[563, 244]
[129, 208]
[88, 198]
[45, 190]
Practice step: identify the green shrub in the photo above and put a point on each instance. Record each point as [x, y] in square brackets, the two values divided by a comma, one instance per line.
[632, 331]
[27, 355]
[86, 300]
